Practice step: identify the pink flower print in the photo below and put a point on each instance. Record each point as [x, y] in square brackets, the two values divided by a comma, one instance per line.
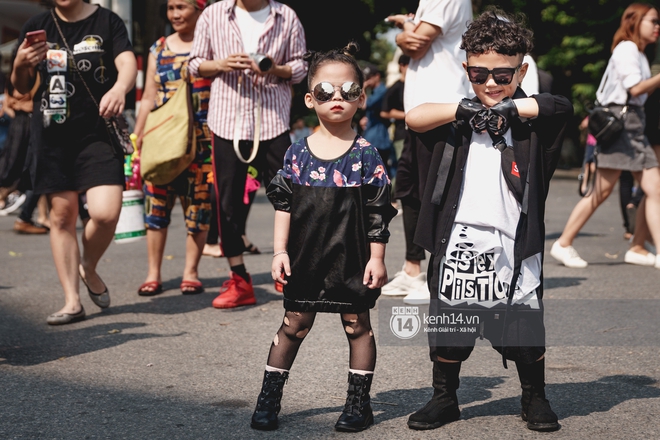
[322, 176]
[356, 166]
[379, 171]
[339, 178]
[321, 170]
[363, 142]
[294, 166]
[314, 175]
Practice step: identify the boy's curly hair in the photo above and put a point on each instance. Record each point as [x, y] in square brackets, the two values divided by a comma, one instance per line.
[497, 31]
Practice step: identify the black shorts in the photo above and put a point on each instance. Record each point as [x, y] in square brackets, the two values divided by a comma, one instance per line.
[77, 167]
[517, 333]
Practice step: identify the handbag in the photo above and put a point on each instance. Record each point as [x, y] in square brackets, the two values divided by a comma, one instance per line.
[169, 138]
[118, 132]
[116, 126]
[606, 125]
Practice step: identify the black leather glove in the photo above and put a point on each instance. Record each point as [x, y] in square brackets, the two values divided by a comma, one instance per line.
[500, 116]
[472, 113]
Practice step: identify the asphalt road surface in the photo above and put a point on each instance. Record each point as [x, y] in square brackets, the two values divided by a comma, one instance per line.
[173, 367]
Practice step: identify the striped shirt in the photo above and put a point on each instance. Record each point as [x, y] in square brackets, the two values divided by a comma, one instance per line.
[216, 37]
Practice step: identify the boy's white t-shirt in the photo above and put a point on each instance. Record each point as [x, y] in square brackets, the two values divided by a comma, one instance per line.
[251, 25]
[486, 220]
[438, 76]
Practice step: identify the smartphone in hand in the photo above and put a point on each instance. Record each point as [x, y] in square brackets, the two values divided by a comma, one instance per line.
[34, 37]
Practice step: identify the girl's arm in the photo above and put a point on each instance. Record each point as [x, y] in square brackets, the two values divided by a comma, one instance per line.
[281, 264]
[375, 274]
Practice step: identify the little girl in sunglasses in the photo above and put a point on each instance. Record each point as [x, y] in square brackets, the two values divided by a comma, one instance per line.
[332, 201]
[482, 217]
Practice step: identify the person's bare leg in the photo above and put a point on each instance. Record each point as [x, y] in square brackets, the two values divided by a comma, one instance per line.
[650, 183]
[42, 211]
[156, 239]
[194, 246]
[412, 267]
[212, 250]
[642, 232]
[64, 246]
[605, 181]
[235, 261]
[104, 206]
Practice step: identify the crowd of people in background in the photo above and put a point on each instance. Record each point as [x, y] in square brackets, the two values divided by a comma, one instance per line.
[464, 86]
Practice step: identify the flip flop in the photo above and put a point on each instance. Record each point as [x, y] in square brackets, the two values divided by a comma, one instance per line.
[100, 299]
[150, 288]
[191, 287]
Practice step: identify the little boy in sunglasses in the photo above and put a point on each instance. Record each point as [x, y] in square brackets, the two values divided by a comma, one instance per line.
[482, 218]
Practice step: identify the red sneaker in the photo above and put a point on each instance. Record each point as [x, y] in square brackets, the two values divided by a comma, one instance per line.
[237, 292]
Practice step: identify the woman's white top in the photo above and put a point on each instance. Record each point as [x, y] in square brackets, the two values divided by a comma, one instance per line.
[627, 67]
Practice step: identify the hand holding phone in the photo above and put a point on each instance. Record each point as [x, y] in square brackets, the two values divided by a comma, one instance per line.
[34, 37]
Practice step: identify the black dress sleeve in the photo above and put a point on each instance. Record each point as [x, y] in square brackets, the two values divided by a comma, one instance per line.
[279, 193]
[379, 211]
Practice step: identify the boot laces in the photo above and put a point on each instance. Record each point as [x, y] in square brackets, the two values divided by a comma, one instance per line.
[355, 398]
[271, 392]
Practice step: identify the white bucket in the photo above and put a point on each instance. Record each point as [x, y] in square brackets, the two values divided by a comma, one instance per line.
[130, 226]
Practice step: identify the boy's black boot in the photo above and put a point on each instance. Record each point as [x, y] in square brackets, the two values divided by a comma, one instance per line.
[268, 402]
[443, 406]
[357, 415]
[536, 409]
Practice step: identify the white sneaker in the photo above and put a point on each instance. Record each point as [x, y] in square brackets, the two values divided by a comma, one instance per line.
[402, 284]
[639, 259]
[14, 201]
[418, 297]
[657, 261]
[567, 256]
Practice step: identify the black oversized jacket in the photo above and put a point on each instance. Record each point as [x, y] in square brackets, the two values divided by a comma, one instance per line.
[537, 146]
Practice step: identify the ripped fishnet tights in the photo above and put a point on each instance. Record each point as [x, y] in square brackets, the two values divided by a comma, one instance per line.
[296, 325]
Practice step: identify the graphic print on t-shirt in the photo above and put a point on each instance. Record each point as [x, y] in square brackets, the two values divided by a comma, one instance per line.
[90, 43]
[469, 278]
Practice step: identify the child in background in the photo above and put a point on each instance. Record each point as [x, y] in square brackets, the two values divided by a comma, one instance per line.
[332, 201]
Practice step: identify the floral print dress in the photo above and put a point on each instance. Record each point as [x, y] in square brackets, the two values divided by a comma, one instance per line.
[337, 208]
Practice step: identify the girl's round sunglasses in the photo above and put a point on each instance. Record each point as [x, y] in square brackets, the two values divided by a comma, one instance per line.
[324, 91]
[501, 75]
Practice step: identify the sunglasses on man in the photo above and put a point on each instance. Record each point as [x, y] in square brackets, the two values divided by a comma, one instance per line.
[324, 91]
[501, 75]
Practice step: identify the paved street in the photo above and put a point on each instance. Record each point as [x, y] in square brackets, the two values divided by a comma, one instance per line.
[173, 367]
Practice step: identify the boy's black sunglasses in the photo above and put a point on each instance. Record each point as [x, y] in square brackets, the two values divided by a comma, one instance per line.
[501, 75]
[324, 91]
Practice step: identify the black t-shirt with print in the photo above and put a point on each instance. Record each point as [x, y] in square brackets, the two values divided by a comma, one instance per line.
[95, 42]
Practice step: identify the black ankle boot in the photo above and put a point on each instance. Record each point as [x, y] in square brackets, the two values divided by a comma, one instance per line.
[357, 415]
[268, 403]
[443, 406]
[536, 409]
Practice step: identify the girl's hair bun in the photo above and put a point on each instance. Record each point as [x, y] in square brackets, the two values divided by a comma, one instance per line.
[345, 55]
[351, 49]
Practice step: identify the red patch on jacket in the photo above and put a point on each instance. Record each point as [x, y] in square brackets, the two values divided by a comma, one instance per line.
[514, 169]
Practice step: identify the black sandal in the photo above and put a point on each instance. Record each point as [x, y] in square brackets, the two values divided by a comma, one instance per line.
[252, 249]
